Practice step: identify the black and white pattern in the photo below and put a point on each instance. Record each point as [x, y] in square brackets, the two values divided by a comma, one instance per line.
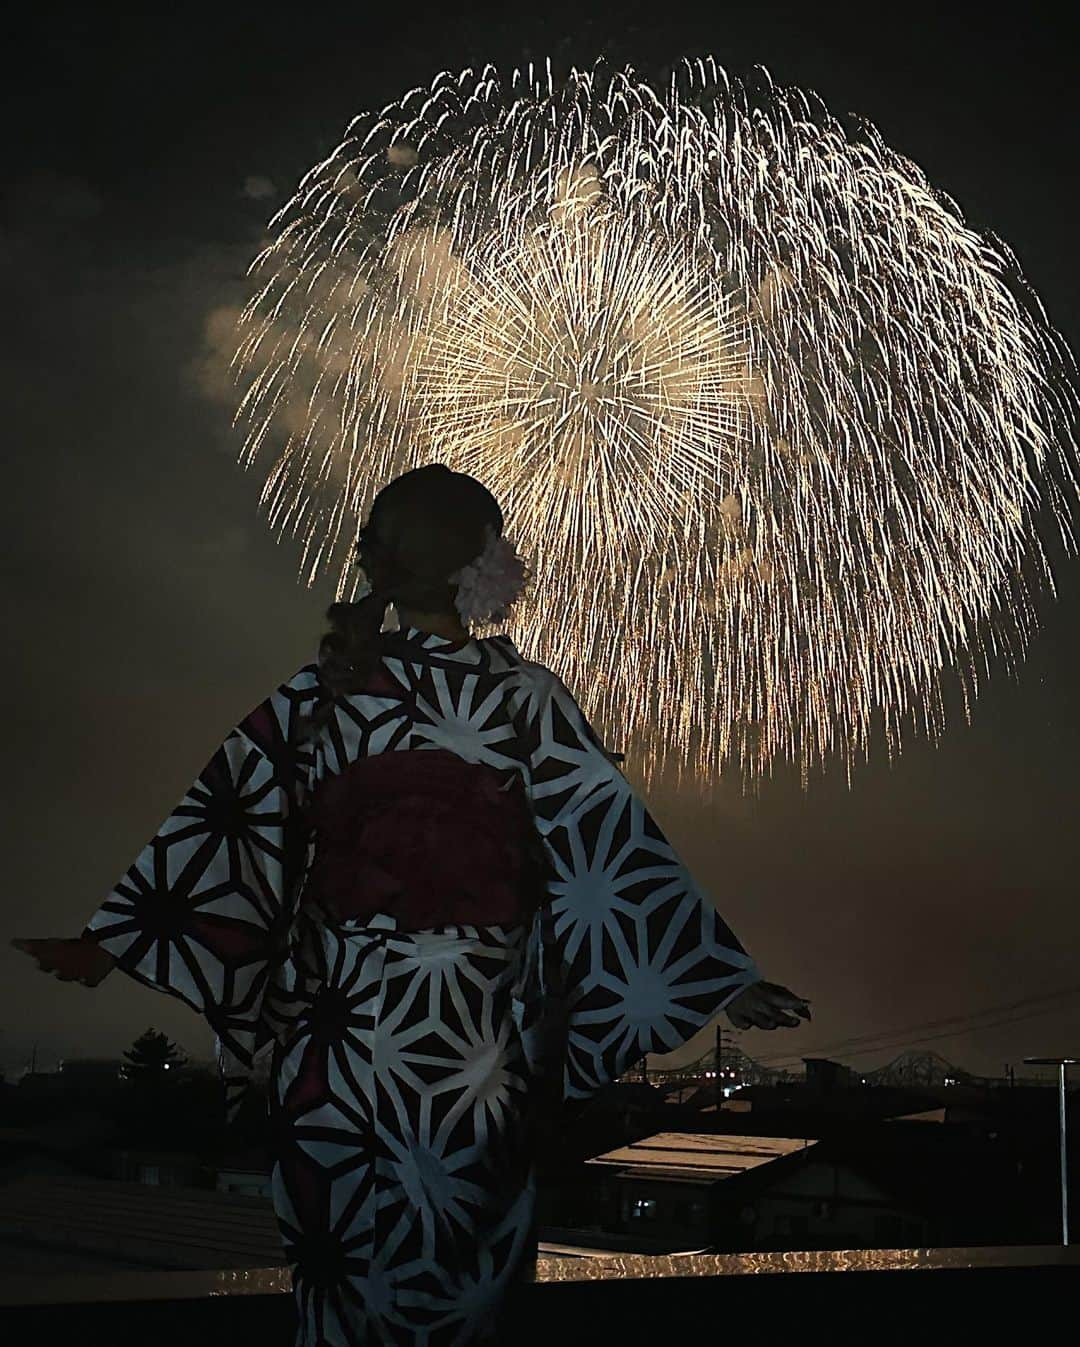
[402, 1061]
[403, 1183]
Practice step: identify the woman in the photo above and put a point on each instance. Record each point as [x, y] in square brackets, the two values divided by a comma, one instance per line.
[415, 877]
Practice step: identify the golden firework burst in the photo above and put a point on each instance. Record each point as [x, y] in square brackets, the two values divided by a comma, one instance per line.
[777, 429]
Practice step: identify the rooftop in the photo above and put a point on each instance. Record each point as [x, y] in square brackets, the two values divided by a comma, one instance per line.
[133, 1223]
[696, 1155]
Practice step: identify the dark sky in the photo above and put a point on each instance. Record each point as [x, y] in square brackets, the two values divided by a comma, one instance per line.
[148, 608]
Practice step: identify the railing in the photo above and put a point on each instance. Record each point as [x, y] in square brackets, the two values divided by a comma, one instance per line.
[768, 1298]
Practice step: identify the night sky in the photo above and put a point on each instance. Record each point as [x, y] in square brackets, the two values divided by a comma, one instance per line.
[147, 607]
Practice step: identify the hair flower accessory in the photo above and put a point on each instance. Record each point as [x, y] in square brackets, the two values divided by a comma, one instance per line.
[491, 582]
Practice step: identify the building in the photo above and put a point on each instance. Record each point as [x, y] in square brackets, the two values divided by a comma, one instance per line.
[38, 1085]
[246, 1173]
[146, 1225]
[824, 1076]
[247, 1182]
[91, 1072]
[70, 1144]
[24, 1155]
[662, 1191]
[161, 1169]
[910, 1182]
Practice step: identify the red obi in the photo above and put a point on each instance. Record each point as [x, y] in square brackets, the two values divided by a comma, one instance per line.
[427, 837]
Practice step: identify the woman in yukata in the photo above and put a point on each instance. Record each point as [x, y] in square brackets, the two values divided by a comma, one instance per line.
[415, 878]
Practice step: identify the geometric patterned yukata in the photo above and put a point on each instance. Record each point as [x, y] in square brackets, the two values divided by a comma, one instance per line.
[405, 1060]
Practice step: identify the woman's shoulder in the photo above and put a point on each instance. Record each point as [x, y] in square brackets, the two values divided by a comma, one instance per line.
[304, 683]
[502, 649]
[530, 684]
[538, 689]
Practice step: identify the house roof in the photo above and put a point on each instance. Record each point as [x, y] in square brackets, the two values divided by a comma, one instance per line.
[697, 1156]
[174, 1159]
[158, 1227]
[69, 1132]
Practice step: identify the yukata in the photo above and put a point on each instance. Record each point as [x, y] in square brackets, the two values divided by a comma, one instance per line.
[412, 1010]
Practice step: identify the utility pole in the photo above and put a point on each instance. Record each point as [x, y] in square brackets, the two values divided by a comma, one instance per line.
[1061, 1063]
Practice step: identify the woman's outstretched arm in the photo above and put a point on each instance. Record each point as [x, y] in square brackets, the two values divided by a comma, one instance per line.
[198, 912]
[644, 958]
[71, 960]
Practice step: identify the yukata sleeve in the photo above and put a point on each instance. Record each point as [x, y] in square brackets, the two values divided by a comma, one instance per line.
[200, 912]
[641, 956]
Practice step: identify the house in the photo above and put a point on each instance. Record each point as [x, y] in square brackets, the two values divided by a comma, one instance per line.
[160, 1169]
[37, 1085]
[245, 1172]
[902, 1183]
[22, 1155]
[661, 1191]
[71, 1144]
[249, 1182]
[91, 1073]
[136, 1223]
[825, 1076]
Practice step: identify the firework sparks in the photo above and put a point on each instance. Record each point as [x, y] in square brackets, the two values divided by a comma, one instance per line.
[776, 428]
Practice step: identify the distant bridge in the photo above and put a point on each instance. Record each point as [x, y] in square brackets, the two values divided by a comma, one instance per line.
[910, 1070]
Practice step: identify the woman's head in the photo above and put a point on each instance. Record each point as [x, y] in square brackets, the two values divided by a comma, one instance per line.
[423, 527]
[432, 543]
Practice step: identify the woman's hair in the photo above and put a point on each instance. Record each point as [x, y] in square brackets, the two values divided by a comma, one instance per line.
[423, 527]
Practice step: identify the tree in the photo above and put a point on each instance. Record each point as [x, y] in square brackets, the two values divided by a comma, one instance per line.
[150, 1057]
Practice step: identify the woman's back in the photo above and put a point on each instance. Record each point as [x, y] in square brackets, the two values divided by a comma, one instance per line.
[431, 819]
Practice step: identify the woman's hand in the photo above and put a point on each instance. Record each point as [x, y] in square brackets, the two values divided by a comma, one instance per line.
[78, 960]
[767, 1005]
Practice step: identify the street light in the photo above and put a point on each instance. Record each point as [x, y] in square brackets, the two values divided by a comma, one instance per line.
[1061, 1063]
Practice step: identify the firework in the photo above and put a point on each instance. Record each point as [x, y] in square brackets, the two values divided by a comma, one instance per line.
[781, 435]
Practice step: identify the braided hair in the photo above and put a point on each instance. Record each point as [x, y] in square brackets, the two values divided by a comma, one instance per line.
[423, 527]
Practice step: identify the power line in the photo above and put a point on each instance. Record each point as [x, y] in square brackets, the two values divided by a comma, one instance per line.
[932, 1038]
[859, 1045]
[971, 1016]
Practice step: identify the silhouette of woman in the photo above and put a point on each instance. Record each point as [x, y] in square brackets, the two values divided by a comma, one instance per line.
[415, 878]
